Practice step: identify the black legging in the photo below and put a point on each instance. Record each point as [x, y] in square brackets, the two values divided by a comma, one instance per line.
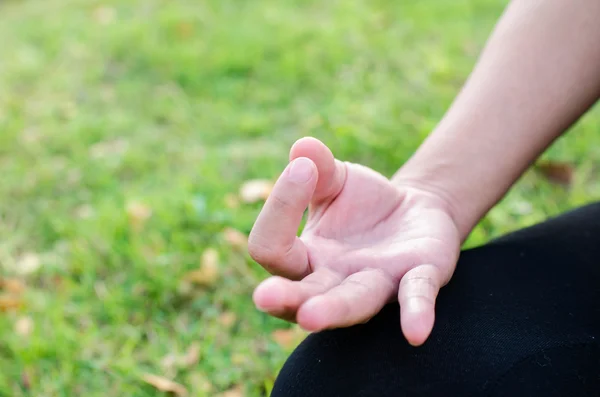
[520, 317]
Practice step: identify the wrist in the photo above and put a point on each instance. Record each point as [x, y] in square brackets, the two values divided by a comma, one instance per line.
[465, 213]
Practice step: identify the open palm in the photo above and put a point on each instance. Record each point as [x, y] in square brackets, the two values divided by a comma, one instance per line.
[366, 242]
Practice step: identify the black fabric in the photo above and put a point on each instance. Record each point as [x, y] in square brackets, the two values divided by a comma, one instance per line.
[520, 317]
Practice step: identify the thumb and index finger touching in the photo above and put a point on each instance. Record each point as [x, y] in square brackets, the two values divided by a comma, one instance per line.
[312, 176]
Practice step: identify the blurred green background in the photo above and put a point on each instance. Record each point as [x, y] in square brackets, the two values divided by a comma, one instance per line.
[127, 128]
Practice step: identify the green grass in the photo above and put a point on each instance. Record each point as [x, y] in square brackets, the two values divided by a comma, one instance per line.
[173, 104]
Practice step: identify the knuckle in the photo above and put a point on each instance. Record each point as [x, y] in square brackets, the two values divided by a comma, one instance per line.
[261, 253]
[281, 201]
[417, 279]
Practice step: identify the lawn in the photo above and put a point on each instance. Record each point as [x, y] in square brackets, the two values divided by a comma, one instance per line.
[127, 128]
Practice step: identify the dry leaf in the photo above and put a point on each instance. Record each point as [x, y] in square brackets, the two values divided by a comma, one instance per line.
[227, 319]
[29, 263]
[12, 285]
[236, 239]
[165, 385]
[208, 273]
[255, 190]
[237, 391]
[104, 15]
[231, 201]
[24, 326]
[185, 29]
[26, 378]
[138, 214]
[192, 356]
[85, 211]
[288, 337]
[8, 302]
[557, 172]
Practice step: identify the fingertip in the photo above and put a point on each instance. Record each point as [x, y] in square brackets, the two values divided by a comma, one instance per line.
[302, 170]
[270, 294]
[417, 321]
[307, 146]
[312, 316]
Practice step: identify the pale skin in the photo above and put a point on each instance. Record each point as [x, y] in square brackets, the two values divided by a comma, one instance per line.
[370, 240]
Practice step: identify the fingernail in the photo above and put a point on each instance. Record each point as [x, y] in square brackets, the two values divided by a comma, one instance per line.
[301, 170]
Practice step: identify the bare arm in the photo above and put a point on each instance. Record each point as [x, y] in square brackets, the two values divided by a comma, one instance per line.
[539, 72]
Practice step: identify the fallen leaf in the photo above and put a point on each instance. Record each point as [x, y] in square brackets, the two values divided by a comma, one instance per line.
[236, 239]
[208, 273]
[24, 326]
[104, 15]
[28, 263]
[165, 385]
[12, 285]
[237, 391]
[227, 319]
[138, 214]
[557, 172]
[288, 337]
[26, 378]
[85, 211]
[192, 356]
[9, 302]
[185, 29]
[255, 190]
[231, 201]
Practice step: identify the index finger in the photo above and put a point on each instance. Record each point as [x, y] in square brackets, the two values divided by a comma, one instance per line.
[273, 241]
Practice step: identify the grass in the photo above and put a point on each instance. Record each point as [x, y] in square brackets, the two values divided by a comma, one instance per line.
[111, 110]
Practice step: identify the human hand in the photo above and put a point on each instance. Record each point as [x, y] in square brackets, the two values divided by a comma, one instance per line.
[366, 243]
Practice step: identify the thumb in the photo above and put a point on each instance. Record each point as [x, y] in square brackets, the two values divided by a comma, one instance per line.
[417, 294]
[332, 172]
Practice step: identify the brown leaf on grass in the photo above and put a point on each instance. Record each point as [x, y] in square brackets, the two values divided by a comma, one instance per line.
[231, 201]
[191, 356]
[26, 377]
[9, 302]
[104, 15]
[288, 337]
[236, 239]
[12, 285]
[85, 211]
[256, 190]
[165, 385]
[28, 263]
[208, 273]
[185, 29]
[236, 391]
[557, 172]
[24, 326]
[138, 214]
[227, 319]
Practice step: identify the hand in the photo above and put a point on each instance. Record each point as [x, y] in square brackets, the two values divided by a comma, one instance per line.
[366, 243]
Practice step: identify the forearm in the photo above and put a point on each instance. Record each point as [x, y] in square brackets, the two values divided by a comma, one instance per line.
[539, 72]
